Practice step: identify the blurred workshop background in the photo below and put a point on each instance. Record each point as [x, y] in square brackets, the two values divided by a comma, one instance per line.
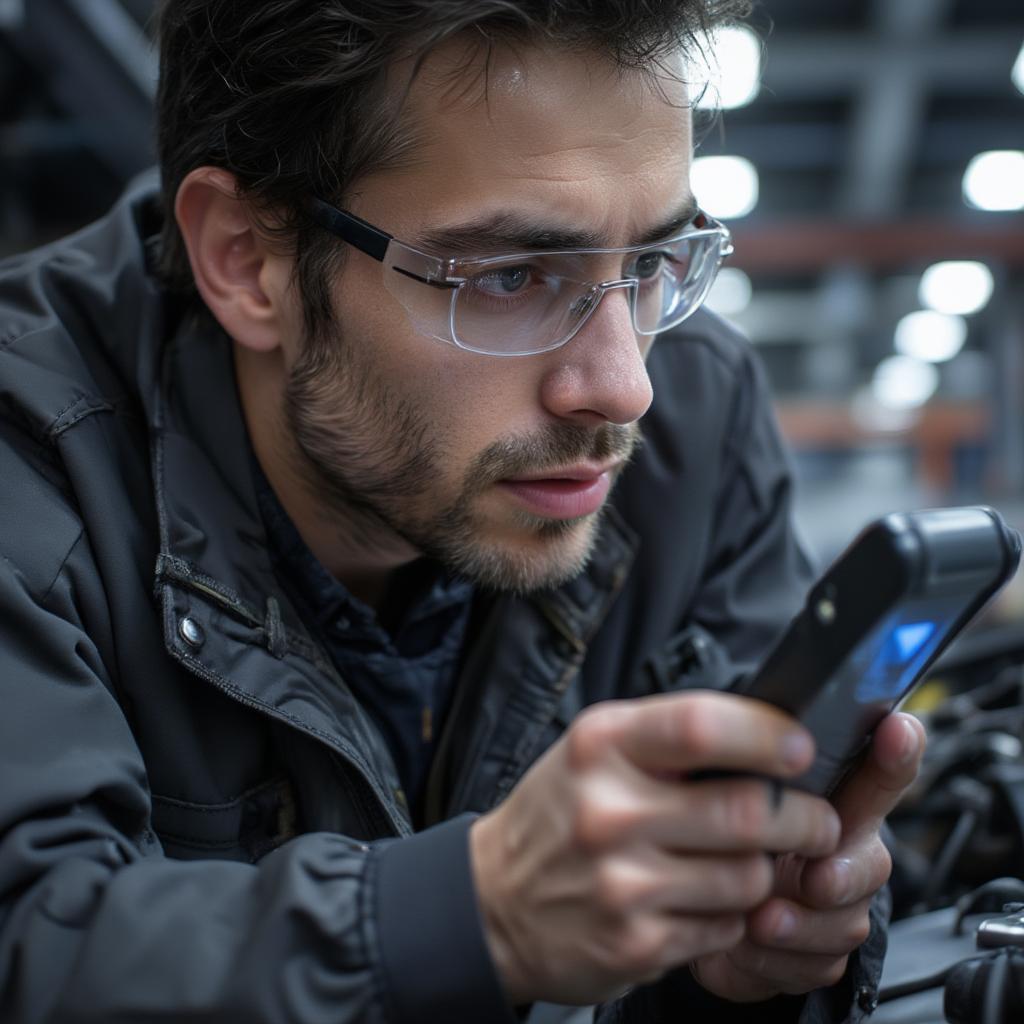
[869, 156]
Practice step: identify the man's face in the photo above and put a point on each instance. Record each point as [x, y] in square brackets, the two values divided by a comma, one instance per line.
[497, 467]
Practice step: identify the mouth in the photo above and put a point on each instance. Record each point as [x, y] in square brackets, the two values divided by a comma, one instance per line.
[569, 493]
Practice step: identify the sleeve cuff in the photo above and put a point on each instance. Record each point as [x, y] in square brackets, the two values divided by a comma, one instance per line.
[433, 951]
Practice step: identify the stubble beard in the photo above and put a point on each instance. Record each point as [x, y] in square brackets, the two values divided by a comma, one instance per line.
[374, 461]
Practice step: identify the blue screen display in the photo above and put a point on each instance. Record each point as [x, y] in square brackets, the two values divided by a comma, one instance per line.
[909, 638]
[890, 659]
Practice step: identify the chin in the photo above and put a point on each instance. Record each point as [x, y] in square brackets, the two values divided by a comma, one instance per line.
[547, 555]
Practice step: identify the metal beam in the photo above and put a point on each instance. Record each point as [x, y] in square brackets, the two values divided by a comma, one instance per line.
[126, 44]
[889, 112]
[830, 65]
[807, 246]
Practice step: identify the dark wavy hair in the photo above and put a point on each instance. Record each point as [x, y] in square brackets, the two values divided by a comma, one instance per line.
[289, 97]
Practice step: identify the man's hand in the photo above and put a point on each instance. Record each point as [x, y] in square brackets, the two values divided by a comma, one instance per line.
[607, 865]
[818, 914]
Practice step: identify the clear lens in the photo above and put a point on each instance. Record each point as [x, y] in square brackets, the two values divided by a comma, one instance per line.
[684, 276]
[522, 305]
[533, 303]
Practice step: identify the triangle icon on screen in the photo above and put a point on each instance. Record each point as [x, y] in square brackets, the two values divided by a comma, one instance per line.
[911, 637]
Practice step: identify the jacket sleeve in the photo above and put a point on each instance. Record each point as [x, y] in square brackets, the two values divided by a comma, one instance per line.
[97, 925]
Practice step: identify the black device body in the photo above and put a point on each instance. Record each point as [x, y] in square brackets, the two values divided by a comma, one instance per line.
[876, 621]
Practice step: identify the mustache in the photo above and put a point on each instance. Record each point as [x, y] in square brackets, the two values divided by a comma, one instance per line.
[553, 448]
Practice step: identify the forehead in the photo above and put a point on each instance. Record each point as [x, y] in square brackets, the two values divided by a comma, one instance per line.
[565, 137]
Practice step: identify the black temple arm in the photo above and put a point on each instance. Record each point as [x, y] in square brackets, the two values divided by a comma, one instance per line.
[351, 228]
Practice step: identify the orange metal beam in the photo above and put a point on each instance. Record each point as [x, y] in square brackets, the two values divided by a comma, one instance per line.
[800, 246]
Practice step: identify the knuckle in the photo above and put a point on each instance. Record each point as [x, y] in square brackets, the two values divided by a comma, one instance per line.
[617, 888]
[695, 728]
[590, 830]
[753, 880]
[815, 824]
[591, 733]
[641, 948]
[745, 810]
[602, 821]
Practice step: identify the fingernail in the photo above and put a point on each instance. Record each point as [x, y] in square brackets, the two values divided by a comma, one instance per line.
[909, 744]
[797, 749]
[841, 875]
[835, 831]
[785, 923]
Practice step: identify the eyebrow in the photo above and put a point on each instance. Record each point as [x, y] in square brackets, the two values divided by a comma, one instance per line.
[510, 231]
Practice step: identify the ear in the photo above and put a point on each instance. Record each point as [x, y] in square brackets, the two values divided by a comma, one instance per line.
[234, 273]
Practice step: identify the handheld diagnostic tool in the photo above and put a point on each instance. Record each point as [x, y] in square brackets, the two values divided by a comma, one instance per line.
[876, 621]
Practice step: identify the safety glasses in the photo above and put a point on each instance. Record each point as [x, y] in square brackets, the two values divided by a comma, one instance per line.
[526, 303]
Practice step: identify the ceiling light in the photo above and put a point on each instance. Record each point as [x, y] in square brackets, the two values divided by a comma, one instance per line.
[1017, 74]
[731, 292]
[933, 337]
[902, 382]
[734, 70]
[995, 180]
[725, 186]
[956, 286]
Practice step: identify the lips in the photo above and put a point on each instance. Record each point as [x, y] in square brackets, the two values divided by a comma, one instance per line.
[566, 494]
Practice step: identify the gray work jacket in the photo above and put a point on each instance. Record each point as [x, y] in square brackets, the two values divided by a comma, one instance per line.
[197, 820]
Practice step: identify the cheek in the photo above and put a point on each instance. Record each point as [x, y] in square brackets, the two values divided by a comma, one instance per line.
[467, 399]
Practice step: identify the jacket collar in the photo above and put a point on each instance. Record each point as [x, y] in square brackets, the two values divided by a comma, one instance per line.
[214, 567]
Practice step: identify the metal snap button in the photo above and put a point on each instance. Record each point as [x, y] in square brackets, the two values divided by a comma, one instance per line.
[191, 632]
[867, 999]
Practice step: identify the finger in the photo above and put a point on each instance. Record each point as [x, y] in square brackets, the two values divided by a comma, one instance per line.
[789, 973]
[646, 879]
[877, 785]
[853, 875]
[688, 936]
[644, 946]
[733, 815]
[695, 731]
[747, 814]
[789, 926]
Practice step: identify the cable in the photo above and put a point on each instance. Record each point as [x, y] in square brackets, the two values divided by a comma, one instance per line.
[951, 850]
[995, 985]
[908, 988]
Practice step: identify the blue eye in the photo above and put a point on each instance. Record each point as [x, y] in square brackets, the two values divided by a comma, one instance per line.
[648, 264]
[511, 279]
[504, 281]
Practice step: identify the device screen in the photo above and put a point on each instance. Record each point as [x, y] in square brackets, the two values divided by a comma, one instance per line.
[888, 661]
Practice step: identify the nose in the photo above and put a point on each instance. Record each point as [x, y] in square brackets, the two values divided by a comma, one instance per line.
[600, 375]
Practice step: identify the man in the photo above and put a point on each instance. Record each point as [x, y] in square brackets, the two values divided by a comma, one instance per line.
[311, 575]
